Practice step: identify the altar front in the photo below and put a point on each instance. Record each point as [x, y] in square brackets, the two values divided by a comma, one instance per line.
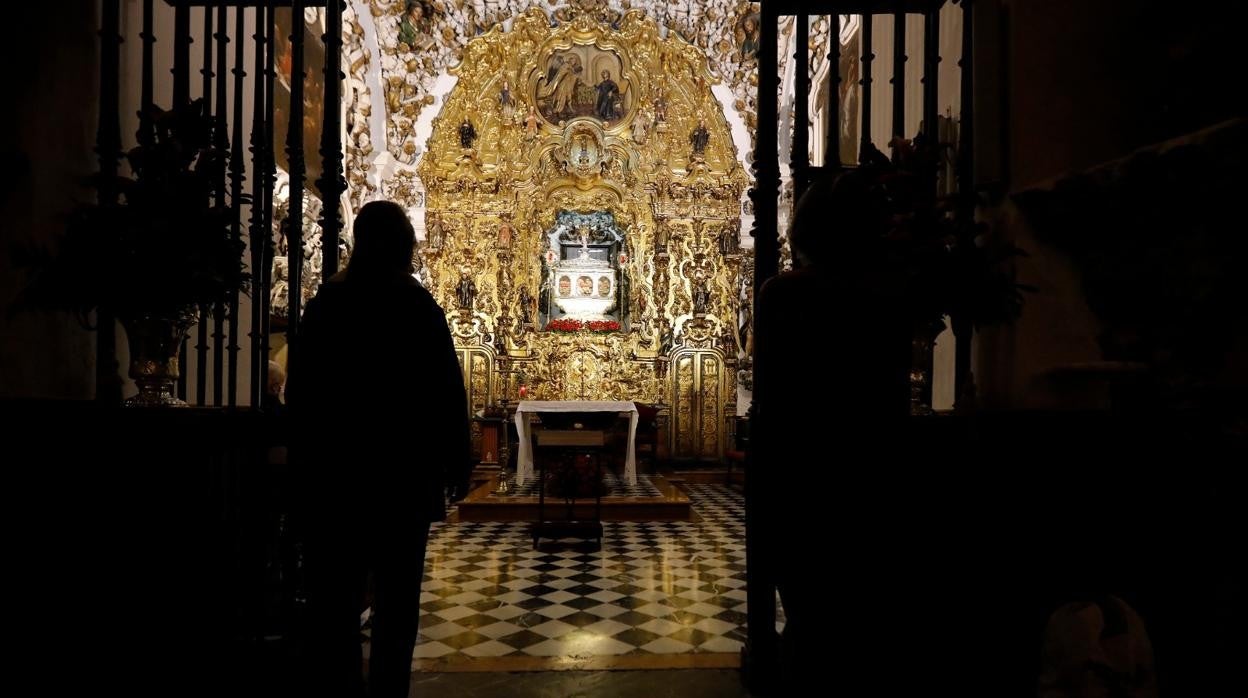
[526, 408]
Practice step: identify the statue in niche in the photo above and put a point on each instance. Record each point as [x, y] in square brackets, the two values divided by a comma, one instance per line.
[466, 293]
[728, 241]
[279, 292]
[505, 233]
[435, 234]
[701, 296]
[660, 110]
[526, 305]
[641, 125]
[507, 103]
[530, 124]
[467, 134]
[700, 137]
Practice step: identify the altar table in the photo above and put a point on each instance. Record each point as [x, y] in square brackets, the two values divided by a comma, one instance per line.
[524, 458]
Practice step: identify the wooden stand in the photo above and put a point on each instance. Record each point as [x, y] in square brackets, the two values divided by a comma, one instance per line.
[564, 446]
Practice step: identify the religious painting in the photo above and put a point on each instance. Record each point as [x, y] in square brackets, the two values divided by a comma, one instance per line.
[313, 90]
[415, 27]
[583, 81]
[604, 286]
[565, 286]
[747, 33]
[585, 286]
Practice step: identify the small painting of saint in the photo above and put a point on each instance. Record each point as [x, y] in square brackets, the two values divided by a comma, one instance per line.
[604, 287]
[608, 105]
[416, 25]
[565, 286]
[747, 34]
[584, 286]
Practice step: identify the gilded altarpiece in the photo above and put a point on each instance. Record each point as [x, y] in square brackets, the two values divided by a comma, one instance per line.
[597, 118]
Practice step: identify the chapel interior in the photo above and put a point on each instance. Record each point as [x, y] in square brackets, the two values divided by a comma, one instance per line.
[600, 192]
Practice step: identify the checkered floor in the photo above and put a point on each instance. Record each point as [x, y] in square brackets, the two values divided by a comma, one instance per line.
[653, 588]
[616, 487]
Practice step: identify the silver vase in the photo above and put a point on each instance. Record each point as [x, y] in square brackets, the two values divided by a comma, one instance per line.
[154, 340]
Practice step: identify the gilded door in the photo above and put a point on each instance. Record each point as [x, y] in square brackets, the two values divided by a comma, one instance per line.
[697, 405]
[477, 363]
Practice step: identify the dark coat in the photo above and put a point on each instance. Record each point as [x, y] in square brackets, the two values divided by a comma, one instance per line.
[378, 402]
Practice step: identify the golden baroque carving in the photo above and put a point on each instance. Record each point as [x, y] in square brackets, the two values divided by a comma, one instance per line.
[540, 147]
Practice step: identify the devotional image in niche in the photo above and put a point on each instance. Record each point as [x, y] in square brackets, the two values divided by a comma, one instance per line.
[583, 81]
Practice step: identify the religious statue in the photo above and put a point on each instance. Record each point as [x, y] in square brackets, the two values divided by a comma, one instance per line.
[728, 241]
[505, 233]
[530, 124]
[701, 296]
[700, 137]
[526, 305]
[608, 106]
[467, 134]
[507, 103]
[279, 293]
[435, 234]
[466, 293]
[660, 111]
[641, 125]
[745, 330]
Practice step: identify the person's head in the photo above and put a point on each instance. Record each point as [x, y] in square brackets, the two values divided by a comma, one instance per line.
[384, 240]
[839, 219]
[606, 75]
[277, 378]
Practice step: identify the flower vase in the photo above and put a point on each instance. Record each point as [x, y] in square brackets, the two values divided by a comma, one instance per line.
[154, 340]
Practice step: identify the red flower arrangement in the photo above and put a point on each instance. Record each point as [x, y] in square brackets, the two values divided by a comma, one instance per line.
[569, 325]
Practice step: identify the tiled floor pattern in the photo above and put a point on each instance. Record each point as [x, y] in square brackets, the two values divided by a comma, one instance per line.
[653, 589]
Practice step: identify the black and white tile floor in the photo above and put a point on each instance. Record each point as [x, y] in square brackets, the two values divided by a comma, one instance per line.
[653, 588]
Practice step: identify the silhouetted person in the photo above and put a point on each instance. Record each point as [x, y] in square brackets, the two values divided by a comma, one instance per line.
[832, 356]
[272, 401]
[375, 451]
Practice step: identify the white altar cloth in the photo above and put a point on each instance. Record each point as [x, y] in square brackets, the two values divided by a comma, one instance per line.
[524, 458]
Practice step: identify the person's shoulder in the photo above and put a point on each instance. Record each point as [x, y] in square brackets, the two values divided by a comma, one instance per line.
[798, 282]
[420, 298]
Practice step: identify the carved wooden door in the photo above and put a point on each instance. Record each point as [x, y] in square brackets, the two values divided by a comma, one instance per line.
[697, 404]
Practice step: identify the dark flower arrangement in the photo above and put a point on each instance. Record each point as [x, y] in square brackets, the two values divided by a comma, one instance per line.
[166, 247]
[569, 326]
[575, 478]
